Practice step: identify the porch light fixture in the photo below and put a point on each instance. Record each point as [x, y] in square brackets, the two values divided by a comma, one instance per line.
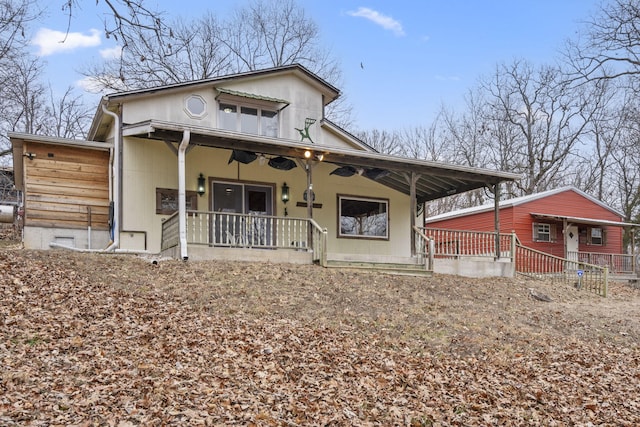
[285, 193]
[317, 156]
[201, 185]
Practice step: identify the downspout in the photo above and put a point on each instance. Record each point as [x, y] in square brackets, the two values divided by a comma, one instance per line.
[116, 180]
[182, 194]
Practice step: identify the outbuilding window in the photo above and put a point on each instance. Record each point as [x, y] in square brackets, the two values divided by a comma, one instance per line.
[363, 217]
[595, 236]
[543, 232]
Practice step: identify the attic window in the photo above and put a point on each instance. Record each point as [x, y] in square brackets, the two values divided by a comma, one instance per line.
[195, 106]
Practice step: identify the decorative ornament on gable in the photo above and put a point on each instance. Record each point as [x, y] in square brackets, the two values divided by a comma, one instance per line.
[304, 133]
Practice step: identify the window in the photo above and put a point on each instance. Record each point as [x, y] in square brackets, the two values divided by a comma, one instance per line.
[248, 119]
[195, 106]
[595, 236]
[544, 232]
[363, 217]
[167, 201]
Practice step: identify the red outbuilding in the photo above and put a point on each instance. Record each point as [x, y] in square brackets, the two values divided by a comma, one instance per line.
[564, 222]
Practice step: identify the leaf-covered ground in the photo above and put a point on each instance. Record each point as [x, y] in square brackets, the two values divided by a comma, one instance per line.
[117, 340]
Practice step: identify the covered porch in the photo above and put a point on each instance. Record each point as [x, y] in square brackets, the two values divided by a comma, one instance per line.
[263, 234]
[577, 232]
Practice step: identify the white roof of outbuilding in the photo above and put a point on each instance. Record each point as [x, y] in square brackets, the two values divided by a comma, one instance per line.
[515, 202]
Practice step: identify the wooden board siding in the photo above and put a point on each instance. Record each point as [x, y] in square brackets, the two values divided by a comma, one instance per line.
[482, 221]
[63, 183]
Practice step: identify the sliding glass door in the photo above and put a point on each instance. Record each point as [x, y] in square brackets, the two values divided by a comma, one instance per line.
[243, 214]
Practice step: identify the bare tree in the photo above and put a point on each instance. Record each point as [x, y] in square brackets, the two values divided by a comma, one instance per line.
[124, 15]
[610, 51]
[195, 54]
[260, 35]
[381, 140]
[611, 46]
[545, 118]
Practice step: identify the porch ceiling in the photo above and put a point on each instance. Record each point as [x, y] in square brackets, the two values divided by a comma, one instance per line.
[586, 221]
[435, 180]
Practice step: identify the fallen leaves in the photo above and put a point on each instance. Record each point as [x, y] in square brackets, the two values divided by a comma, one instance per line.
[82, 345]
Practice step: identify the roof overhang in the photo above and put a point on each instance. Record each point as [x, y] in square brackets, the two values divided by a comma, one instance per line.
[435, 180]
[18, 139]
[579, 220]
[279, 103]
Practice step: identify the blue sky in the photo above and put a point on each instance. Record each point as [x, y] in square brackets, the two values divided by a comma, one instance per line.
[401, 60]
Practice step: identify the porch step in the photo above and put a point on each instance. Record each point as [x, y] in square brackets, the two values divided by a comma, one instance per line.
[386, 267]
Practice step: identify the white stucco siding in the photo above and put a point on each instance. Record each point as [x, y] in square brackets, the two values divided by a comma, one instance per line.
[150, 164]
[327, 187]
[147, 165]
[170, 107]
[304, 101]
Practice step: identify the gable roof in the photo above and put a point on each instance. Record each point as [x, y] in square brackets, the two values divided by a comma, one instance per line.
[518, 201]
[328, 91]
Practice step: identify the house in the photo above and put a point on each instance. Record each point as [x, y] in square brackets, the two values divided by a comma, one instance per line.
[564, 222]
[244, 166]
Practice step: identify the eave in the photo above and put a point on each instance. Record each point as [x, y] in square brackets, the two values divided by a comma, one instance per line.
[435, 180]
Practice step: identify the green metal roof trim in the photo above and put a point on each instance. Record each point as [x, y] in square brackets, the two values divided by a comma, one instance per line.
[251, 95]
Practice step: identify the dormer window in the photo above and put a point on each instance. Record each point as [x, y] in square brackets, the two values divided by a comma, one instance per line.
[249, 113]
[249, 119]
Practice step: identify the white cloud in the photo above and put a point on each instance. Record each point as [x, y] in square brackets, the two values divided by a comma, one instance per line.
[386, 22]
[51, 41]
[111, 52]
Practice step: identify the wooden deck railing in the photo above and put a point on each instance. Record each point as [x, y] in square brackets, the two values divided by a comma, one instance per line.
[425, 247]
[617, 263]
[463, 243]
[246, 231]
[454, 244]
[540, 265]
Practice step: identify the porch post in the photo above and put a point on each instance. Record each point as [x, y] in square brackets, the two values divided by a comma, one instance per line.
[309, 203]
[633, 249]
[309, 190]
[564, 235]
[413, 208]
[496, 213]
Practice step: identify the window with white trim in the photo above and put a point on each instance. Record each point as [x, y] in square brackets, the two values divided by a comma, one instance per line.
[195, 106]
[544, 232]
[256, 120]
[363, 217]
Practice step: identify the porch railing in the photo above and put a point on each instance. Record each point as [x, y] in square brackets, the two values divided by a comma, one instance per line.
[319, 243]
[617, 263]
[425, 247]
[582, 275]
[455, 244]
[246, 231]
[463, 243]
